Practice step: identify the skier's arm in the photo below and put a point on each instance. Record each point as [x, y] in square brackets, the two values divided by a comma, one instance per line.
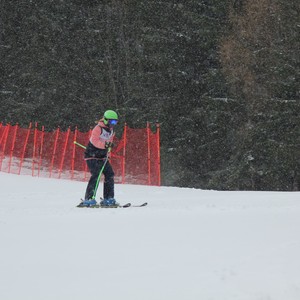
[95, 138]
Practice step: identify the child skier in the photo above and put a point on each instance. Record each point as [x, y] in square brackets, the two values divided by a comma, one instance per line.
[96, 155]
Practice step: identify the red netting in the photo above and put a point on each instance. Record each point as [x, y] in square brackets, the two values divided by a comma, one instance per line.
[135, 157]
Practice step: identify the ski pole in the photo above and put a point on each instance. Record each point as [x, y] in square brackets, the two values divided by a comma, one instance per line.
[84, 147]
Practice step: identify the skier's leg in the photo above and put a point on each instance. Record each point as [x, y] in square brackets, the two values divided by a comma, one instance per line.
[109, 183]
[94, 166]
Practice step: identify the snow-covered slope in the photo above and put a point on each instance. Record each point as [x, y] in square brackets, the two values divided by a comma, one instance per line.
[186, 244]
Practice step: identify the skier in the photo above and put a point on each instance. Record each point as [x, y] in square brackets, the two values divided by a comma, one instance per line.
[95, 156]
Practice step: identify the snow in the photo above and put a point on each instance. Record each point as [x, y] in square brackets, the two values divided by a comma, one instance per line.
[186, 244]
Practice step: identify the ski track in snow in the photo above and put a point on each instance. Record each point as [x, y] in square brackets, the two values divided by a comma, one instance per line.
[186, 244]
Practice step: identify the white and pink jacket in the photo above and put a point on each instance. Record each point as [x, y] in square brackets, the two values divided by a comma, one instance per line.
[101, 134]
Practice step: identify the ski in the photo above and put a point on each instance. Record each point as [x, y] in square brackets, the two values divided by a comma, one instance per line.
[114, 206]
[140, 205]
[101, 206]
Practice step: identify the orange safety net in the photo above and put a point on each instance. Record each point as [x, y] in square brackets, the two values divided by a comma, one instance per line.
[32, 151]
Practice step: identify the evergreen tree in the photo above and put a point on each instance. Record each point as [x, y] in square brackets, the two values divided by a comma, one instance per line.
[261, 67]
[65, 62]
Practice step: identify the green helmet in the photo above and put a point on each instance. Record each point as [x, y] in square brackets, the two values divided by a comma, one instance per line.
[110, 115]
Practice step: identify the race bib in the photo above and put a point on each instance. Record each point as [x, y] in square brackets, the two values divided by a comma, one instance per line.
[106, 135]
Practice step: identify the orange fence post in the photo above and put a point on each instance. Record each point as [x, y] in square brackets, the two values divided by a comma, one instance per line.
[158, 152]
[3, 133]
[41, 149]
[149, 154]
[24, 148]
[85, 166]
[54, 151]
[74, 153]
[33, 150]
[12, 147]
[4, 144]
[64, 153]
[124, 153]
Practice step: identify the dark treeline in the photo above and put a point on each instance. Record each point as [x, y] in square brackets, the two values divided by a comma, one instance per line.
[221, 77]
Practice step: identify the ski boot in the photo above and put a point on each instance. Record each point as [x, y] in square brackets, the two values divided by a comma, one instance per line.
[88, 203]
[109, 203]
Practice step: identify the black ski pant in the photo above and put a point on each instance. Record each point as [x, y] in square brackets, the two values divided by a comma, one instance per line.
[95, 166]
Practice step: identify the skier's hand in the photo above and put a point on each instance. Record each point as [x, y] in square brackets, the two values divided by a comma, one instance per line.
[109, 145]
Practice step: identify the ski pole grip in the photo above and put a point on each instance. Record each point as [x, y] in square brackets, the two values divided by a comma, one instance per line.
[82, 146]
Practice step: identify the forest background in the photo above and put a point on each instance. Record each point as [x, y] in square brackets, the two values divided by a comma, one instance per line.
[220, 76]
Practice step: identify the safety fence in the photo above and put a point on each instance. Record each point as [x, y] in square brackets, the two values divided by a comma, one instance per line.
[34, 151]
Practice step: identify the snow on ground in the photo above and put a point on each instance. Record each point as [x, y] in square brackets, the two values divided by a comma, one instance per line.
[187, 244]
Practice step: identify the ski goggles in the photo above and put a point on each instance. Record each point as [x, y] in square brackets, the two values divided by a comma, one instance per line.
[112, 122]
